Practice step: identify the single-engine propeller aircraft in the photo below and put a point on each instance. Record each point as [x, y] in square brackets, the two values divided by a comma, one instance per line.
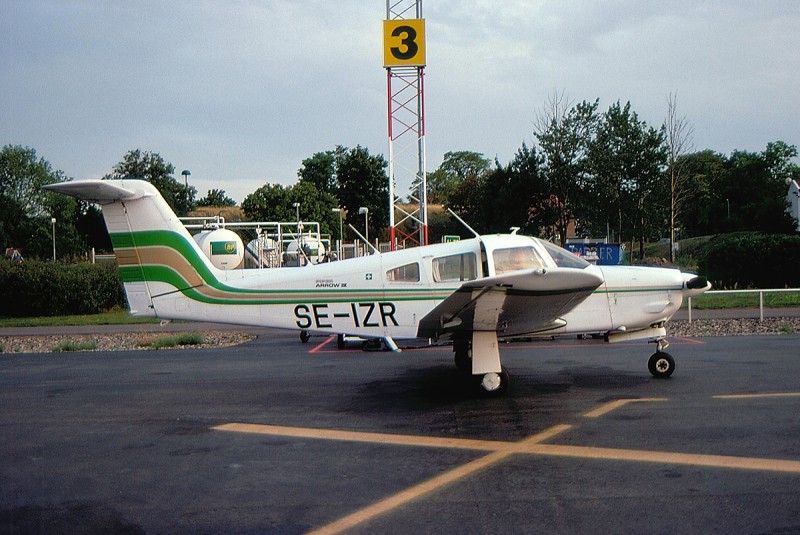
[472, 292]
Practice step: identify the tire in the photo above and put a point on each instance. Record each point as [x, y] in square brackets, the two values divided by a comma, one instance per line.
[661, 365]
[488, 383]
[305, 336]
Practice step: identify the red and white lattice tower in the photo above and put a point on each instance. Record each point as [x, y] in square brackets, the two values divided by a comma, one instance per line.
[404, 60]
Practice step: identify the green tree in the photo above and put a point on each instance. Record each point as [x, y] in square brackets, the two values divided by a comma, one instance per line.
[22, 176]
[274, 202]
[216, 197]
[564, 134]
[627, 159]
[320, 170]
[26, 209]
[456, 167]
[703, 212]
[152, 167]
[754, 194]
[362, 182]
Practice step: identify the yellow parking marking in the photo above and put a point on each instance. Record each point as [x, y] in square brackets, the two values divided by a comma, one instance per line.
[405, 496]
[500, 450]
[356, 436]
[665, 457]
[756, 396]
[613, 405]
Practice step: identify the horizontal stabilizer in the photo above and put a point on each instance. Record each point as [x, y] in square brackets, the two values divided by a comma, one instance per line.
[99, 191]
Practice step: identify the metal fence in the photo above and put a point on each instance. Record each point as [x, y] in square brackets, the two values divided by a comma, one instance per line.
[759, 292]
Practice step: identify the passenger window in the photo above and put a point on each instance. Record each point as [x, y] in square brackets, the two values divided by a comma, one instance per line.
[516, 258]
[406, 273]
[460, 267]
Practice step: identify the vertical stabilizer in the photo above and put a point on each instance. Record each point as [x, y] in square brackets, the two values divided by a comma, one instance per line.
[155, 253]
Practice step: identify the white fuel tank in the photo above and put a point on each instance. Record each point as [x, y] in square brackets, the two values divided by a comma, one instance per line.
[223, 247]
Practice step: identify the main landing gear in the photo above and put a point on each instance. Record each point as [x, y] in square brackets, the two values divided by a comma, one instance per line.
[480, 360]
[661, 363]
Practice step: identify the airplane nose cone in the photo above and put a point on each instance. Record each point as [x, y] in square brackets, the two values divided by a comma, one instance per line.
[694, 284]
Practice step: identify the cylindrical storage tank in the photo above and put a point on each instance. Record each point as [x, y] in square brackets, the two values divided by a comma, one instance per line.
[223, 247]
[314, 250]
[264, 247]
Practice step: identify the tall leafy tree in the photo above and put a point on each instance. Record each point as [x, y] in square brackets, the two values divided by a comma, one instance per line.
[456, 167]
[320, 170]
[513, 190]
[627, 159]
[274, 202]
[564, 134]
[362, 182]
[754, 193]
[152, 167]
[704, 212]
[22, 175]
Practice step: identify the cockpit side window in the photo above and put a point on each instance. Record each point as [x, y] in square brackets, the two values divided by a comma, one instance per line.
[562, 257]
[515, 259]
[406, 273]
[459, 267]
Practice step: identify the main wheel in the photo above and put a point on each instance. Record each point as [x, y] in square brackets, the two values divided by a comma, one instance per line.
[494, 384]
[462, 356]
[305, 336]
[661, 365]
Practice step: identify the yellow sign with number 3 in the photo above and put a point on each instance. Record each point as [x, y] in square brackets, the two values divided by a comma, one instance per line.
[404, 43]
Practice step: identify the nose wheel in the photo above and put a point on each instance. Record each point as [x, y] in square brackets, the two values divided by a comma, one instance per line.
[661, 365]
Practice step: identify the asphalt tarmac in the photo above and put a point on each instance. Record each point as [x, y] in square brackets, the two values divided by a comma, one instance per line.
[275, 436]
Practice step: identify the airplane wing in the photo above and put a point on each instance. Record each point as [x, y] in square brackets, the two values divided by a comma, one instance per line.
[511, 304]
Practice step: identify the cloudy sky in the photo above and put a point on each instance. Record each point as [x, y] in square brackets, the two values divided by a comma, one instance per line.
[241, 91]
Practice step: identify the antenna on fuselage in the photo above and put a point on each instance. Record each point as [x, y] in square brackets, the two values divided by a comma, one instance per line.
[374, 250]
[452, 213]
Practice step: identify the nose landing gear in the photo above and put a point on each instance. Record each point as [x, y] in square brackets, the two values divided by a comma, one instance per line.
[661, 363]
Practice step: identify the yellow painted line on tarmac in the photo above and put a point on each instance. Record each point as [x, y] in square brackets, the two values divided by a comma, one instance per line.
[665, 457]
[410, 494]
[602, 410]
[357, 436]
[500, 450]
[757, 396]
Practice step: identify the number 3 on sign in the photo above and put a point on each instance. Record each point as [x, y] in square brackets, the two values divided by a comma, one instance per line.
[404, 43]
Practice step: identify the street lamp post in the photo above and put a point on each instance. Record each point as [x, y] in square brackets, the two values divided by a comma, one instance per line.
[364, 210]
[299, 236]
[341, 235]
[186, 174]
[53, 222]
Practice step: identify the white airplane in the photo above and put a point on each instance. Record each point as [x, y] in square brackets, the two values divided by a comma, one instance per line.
[472, 291]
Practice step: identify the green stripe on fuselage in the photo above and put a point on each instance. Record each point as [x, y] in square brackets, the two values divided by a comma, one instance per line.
[244, 296]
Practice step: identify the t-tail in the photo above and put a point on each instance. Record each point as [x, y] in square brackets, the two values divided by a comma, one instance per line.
[155, 253]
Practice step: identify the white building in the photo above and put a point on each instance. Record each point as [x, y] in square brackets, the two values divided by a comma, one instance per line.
[793, 196]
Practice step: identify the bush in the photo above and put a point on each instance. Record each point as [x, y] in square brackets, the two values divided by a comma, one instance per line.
[42, 288]
[752, 260]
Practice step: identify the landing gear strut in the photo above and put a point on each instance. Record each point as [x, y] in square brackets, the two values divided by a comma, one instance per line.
[480, 359]
[661, 363]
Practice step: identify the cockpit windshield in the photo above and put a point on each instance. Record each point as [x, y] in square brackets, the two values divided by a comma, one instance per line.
[562, 257]
[516, 258]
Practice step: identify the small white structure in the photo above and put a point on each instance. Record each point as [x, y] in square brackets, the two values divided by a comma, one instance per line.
[222, 246]
[793, 196]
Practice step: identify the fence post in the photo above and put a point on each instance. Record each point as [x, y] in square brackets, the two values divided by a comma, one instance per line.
[761, 306]
[690, 309]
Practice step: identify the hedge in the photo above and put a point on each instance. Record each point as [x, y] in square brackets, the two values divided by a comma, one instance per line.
[42, 288]
[752, 260]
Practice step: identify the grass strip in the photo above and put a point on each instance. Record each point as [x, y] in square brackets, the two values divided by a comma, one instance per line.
[181, 339]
